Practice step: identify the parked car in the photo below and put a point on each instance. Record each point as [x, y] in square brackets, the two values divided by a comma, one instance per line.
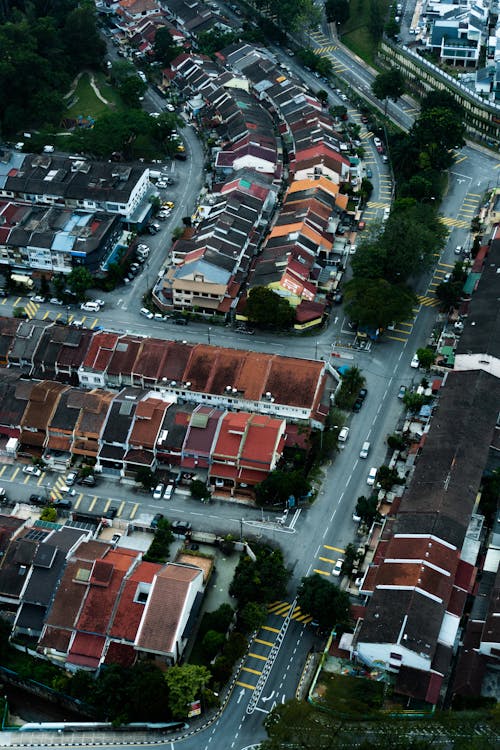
[343, 434]
[38, 500]
[362, 394]
[458, 250]
[90, 307]
[415, 362]
[372, 475]
[38, 298]
[71, 478]
[402, 392]
[161, 184]
[89, 481]
[158, 491]
[170, 107]
[357, 405]
[34, 471]
[377, 142]
[63, 504]
[355, 517]
[181, 527]
[169, 489]
[337, 569]
[147, 313]
[369, 173]
[55, 301]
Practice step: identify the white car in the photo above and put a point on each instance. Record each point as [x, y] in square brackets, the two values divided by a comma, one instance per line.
[343, 434]
[458, 250]
[154, 114]
[372, 474]
[90, 307]
[99, 302]
[158, 491]
[55, 301]
[162, 184]
[377, 142]
[168, 492]
[71, 478]
[337, 570]
[170, 107]
[147, 313]
[38, 298]
[35, 471]
[415, 363]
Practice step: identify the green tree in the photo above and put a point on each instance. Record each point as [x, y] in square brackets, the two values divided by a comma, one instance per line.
[252, 617]
[267, 309]
[449, 294]
[390, 84]
[185, 684]
[352, 557]
[426, 357]
[131, 90]
[353, 380]
[159, 549]
[48, 514]
[279, 485]
[337, 11]
[387, 477]
[367, 509]
[376, 302]
[212, 643]
[79, 280]
[82, 39]
[165, 50]
[322, 96]
[210, 42]
[413, 401]
[261, 580]
[145, 477]
[323, 600]
[199, 490]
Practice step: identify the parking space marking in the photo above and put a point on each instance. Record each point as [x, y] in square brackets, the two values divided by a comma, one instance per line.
[120, 509]
[245, 685]
[320, 572]
[92, 503]
[257, 656]
[134, 511]
[326, 559]
[252, 671]
[16, 472]
[272, 630]
[335, 549]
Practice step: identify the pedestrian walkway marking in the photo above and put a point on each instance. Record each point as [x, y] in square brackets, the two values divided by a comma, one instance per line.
[279, 608]
[272, 630]
[327, 559]
[257, 656]
[335, 549]
[449, 222]
[31, 309]
[366, 135]
[396, 338]
[321, 572]
[428, 301]
[264, 643]
[245, 685]
[252, 671]
[134, 511]
[327, 48]
[377, 204]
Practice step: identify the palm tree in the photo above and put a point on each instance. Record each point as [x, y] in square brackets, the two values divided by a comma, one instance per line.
[353, 380]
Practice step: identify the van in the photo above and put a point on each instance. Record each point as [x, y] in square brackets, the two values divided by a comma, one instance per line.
[20, 278]
[90, 307]
[343, 434]
[365, 449]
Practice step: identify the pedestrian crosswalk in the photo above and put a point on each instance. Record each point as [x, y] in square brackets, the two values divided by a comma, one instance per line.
[325, 49]
[428, 300]
[448, 221]
[282, 609]
[378, 204]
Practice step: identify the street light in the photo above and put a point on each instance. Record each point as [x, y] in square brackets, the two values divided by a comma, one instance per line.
[68, 308]
[316, 350]
[208, 334]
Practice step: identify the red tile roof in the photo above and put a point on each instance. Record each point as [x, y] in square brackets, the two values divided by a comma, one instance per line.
[158, 631]
[100, 351]
[129, 612]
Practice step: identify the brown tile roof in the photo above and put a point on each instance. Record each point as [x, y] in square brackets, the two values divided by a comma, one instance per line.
[165, 606]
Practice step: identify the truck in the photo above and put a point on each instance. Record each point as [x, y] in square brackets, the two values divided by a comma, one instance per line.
[154, 174]
[20, 278]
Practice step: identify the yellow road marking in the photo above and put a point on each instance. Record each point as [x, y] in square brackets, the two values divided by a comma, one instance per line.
[106, 505]
[252, 671]
[26, 479]
[245, 685]
[16, 472]
[134, 510]
[92, 503]
[335, 549]
[18, 300]
[78, 500]
[321, 572]
[264, 643]
[3, 469]
[395, 338]
[326, 559]
[268, 627]
[257, 656]
[120, 509]
[303, 618]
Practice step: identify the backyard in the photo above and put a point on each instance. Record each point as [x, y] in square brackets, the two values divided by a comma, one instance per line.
[356, 31]
[90, 97]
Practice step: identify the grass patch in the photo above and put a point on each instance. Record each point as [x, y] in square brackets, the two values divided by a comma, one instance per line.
[355, 33]
[350, 696]
[84, 101]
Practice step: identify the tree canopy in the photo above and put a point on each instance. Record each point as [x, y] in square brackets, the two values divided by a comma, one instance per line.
[185, 684]
[279, 485]
[262, 580]
[267, 309]
[323, 600]
[390, 84]
[43, 47]
[376, 302]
